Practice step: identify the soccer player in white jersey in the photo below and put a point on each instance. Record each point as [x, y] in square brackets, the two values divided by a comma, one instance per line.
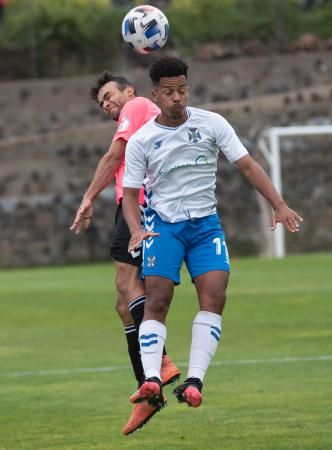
[178, 151]
[118, 99]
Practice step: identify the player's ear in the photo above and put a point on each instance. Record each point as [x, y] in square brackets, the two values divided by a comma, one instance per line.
[130, 91]
[154, 94]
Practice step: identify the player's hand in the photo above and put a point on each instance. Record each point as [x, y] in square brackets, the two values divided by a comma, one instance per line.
[290, 219]
[83, 216]
[138, 237]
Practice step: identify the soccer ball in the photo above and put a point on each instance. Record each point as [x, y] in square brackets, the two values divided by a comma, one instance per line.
[145, 29]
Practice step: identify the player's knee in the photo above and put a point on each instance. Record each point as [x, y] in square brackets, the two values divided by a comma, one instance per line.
[122, 282]
[156, 305]
[214, 303]
[121, 287]
[159, 307]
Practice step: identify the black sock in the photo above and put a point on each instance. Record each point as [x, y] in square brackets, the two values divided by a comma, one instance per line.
[136, 308]
[134, 352]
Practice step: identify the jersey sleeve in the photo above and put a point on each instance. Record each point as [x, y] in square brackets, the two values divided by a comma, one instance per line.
[228, 141]
[135, 165]
[131, 119]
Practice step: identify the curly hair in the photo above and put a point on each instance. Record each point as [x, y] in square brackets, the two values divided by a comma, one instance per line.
[167, 67]
[106, 77]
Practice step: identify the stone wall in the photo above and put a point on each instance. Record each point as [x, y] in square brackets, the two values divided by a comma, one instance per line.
[38, 106]
[42, 180]
[52, 137]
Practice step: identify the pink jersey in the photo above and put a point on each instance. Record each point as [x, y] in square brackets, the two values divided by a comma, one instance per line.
[133, 116]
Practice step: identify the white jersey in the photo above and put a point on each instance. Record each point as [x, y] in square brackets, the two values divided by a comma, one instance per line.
[181, 163]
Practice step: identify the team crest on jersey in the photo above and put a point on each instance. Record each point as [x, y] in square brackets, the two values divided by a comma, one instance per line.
[124, 124]
[194, 135]
[151, 261]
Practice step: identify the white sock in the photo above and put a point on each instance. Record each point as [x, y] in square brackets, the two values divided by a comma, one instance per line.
[152, 337]
[206, 333]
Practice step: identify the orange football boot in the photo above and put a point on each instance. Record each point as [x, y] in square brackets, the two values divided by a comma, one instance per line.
[169, 374]
[190, 392]
[140, 415]
[169, 371]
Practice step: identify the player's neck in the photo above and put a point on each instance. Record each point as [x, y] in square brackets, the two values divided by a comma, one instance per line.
[173, 122]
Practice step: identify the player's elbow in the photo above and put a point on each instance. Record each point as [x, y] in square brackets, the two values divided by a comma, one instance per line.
[130, 194]
[249, 168]
[112, 160]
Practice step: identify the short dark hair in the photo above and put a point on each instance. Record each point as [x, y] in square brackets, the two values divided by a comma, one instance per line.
[106, 77]
[167, 67]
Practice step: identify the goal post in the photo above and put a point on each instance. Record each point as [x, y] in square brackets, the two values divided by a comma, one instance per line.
[269, 142]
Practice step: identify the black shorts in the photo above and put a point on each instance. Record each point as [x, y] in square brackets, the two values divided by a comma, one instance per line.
[120, 241]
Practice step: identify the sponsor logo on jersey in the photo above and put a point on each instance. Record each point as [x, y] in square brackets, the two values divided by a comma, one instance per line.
[157, 145]
[199, 161]
[124, 124]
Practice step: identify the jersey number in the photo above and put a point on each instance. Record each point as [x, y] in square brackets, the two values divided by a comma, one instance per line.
[218, 243]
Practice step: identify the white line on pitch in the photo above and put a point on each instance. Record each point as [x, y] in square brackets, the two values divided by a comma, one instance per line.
[230, 362]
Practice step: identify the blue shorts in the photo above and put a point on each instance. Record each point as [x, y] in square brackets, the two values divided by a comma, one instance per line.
[198, 242]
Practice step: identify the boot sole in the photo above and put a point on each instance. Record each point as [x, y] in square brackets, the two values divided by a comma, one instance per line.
[144, 422]
[192, 397]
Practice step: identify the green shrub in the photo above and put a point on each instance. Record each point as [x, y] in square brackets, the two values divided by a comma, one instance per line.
[70, 37]
[61, 31]
[196, 21]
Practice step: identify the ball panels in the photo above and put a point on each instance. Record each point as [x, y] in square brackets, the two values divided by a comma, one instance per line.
[145, 29]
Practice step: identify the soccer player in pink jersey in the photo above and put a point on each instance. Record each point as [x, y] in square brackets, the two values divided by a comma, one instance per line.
[118, 99]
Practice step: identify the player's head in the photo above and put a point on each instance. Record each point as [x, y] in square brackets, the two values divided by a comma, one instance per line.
[112, 93]
[170, 86]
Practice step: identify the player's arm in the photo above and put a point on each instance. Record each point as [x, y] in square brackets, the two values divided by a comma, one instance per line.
[263, 184]
[132, 214]
[132, 182]
[104, 174]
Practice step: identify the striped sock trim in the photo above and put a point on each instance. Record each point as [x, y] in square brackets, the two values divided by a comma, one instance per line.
[130, 329]
[216, 332]
[136, 302]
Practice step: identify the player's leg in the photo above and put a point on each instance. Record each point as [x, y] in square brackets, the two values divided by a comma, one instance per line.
[206, 331]
[163, 256]
[130, 289]
[152, 337]
[129, 286]
[132, 292]
[208, 263]
[130, 306]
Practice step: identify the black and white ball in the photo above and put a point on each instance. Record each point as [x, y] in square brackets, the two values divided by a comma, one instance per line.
[145, 29]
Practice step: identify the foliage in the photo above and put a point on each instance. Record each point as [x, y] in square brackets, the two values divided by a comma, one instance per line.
[62, 37]
[53, 34]
[209, 20]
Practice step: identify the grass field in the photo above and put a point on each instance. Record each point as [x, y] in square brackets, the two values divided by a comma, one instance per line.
[65, 378]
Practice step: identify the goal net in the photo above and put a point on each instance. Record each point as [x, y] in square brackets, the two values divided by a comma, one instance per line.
[300, 162]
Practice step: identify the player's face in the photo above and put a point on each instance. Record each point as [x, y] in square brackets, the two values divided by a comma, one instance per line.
[111, 99]
[171, 95]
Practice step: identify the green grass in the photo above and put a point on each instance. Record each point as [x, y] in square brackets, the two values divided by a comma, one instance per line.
[63, 318]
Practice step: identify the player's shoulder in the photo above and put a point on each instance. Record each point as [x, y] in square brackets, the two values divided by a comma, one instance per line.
[203, 114]
[143, 133]
[139, 104]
